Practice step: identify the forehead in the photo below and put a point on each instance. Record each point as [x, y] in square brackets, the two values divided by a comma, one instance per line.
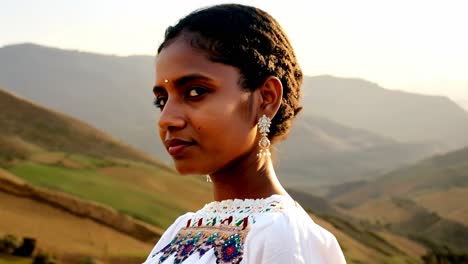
[180, 59]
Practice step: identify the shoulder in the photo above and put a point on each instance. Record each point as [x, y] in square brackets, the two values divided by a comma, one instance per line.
[291, 237]
[170, 233]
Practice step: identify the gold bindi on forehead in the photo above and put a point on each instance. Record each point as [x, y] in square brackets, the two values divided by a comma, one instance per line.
[166, 80]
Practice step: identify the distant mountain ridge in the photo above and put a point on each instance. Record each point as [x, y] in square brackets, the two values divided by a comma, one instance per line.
[403, 116]
[320, 152]
[438, 173]
[109, 92]
[114, 94]
[463, 104]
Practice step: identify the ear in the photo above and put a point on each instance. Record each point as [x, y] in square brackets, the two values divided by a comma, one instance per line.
[270, 94]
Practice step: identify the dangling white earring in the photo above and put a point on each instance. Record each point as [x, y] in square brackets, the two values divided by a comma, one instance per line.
[264, 128]
[208, 178]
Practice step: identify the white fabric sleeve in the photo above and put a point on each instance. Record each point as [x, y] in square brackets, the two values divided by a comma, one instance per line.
[292, 238]
[331, 249]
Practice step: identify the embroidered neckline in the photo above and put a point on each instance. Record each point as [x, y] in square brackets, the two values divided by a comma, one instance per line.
[273, 203]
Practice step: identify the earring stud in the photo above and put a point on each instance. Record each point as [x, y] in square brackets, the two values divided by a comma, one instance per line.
[264, 143]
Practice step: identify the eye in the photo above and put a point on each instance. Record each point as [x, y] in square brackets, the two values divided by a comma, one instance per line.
[195, 91]
[160, 101]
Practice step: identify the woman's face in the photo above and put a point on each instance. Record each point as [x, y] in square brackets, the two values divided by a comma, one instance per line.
[207, 121]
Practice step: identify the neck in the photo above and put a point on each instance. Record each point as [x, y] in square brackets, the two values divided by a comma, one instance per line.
[247, 178]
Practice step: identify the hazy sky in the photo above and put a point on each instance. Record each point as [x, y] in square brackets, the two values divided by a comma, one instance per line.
[418, 46]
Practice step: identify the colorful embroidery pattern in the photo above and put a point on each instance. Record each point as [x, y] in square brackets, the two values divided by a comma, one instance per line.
[227, 242]
[221, 227]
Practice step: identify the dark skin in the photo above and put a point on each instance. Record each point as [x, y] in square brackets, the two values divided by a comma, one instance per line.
[208, 122]
[254, 180]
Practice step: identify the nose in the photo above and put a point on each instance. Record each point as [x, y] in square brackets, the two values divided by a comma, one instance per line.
[172, 116]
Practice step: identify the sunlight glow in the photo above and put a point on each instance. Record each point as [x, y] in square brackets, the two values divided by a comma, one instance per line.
[418, 46]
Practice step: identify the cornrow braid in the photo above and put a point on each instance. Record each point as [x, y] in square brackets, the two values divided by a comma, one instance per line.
[251, 40]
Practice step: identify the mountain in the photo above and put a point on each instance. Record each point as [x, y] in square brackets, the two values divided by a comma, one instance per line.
[316, 204]
[114, 95]
[320, 152]
[391, 226]
[403, 116]
[362, 245]
[360, 242]
[440, 173]
[428, 197]
[410, 219]
[463, 104]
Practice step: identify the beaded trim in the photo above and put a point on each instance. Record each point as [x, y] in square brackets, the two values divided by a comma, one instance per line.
[221, 226]
[237, 206]
[244, 208]
[227, 242]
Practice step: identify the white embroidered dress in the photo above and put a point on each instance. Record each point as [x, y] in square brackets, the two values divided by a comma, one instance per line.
[271, 230]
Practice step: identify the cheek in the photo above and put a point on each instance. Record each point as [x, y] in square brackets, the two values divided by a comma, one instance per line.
[228, 132]
[224, 125]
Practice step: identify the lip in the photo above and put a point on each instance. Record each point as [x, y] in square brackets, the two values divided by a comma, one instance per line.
[176, 146]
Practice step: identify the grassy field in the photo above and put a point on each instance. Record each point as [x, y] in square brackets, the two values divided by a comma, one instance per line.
[425, 201]
[26, 124]
[143, 191]
[411, 248]
[447, 203]
[159, 197]
[410, 219]
[61, 233]
[383, 210]
[436, 174]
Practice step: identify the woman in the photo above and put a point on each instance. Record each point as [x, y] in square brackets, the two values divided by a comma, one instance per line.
[227, 83]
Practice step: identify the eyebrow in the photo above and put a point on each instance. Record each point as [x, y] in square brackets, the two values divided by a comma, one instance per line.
[183, 80]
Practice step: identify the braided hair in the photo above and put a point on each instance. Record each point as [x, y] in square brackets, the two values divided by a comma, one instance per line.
[251, 40]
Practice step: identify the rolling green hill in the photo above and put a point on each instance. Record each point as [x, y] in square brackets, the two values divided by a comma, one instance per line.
[70, 228]
[436, 174]
[27, 127]
[427, 199]
[362, 242]
[52, 150]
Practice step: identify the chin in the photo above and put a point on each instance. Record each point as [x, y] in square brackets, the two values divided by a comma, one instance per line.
[184, 168]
